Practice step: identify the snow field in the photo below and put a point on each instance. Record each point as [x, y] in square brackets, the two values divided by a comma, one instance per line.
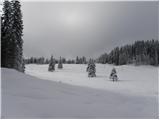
[69, 93]
[135, 80]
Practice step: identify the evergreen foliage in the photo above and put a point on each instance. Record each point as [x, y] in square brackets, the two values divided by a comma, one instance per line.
[12, 32]
[23, 65]
[91, 69]
[113, 75]
[70, 61]
[60, 65]
[42, 60]
[6, 32]
[63, 60]
[81, 60]
[52, 63]
[139, 53]
[38, 60]
[46, 61]
[77, 60]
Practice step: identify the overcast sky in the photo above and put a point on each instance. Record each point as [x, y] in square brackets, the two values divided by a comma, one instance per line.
[86, 29]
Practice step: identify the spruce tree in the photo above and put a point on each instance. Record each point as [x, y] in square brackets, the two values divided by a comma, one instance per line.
[113, 75]
[77, 60]
[12, 29]
[17, 31]
[51, 67]
[46, 61]
[6, 32]
[84, 60]
[60, 65]
[91, 69]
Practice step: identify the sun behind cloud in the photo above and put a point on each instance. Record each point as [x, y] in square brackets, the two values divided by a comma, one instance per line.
[73, 19]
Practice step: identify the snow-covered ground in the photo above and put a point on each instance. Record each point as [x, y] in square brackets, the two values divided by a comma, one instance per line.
[48, 96]
[136, 80]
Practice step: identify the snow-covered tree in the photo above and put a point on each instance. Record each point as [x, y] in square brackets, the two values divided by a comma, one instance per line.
[84, 60]
[51, 67]
[46, 61]
[60, 65]
[17, 31]
[6, 32]
[113, 75]
[12, 31]
[77, 60]
[140, 53]
[91, 69]
[103, 58]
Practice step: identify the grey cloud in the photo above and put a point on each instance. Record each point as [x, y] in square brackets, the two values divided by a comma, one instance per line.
[100, 27]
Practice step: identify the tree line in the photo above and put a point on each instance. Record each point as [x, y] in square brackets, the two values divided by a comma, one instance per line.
[42, 60]
[139, 53]
[11, 36]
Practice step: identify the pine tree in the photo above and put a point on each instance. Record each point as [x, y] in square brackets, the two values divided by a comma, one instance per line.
[113, 75]
[60, 65]
[84, 60]
[91, 69]
[63, 60]
[51, 67]
[17, 31]
[6, 32]
[77, 60]
[46, 61]
[12, 43]
[103, 58]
